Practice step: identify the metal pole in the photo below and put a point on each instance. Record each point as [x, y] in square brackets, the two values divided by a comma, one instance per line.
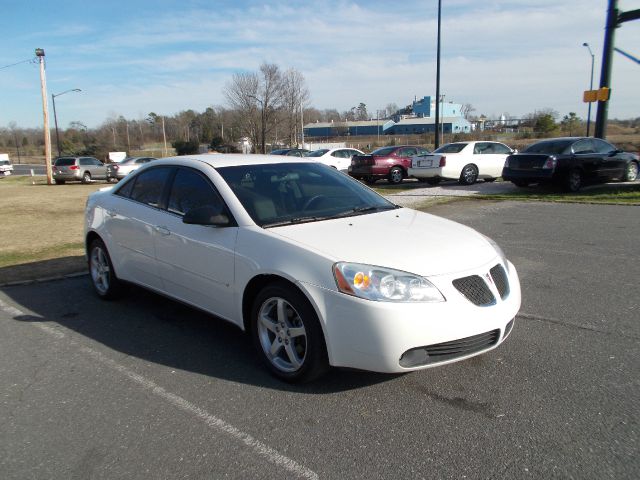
[607, 60]
[164, 137]
[437, 129]
[45, 112]
[590, 85]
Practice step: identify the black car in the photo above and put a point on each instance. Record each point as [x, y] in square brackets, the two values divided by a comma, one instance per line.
[291, 152]
[570, 162]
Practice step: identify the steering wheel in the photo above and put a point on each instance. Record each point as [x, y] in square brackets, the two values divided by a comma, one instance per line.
[311, 201]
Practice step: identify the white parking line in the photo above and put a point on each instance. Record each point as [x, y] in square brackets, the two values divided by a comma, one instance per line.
[207, 418]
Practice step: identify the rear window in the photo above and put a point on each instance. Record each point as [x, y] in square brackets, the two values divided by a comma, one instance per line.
[554, 147]
[383, 151]
[65, 162]
[451, 148]
[317, 153]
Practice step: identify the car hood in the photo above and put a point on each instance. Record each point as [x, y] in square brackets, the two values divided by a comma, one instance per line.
[403, 239]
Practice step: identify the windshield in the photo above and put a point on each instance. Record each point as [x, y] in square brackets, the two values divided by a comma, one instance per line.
[4, 162]
[451, 148]
[290, 193]
[554, 147]
[317, 153]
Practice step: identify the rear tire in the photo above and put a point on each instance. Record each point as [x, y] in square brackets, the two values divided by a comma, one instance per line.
[469, 175]
[520, 183]
[59, 182]
[630, 172]
[573, 181]
[287, 334]
[103, 276]
[396, 176]
[86, 177]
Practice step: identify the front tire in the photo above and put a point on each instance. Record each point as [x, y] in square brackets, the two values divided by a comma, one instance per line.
[59, 182]
[469, 175]
[287, 334]
[396, 175]
[103, 276]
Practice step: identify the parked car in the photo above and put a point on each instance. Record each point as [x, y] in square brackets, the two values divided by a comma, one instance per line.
[79, 169]
[391, 163]
[117, 171]
[462, 161]
[338, 158]
[291, 152]
[6, 168]
[570, 162]
[285, 249]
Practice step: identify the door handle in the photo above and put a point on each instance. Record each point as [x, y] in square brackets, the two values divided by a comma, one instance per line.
[162, 230]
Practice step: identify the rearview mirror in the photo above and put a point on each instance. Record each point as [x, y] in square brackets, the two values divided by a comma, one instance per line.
[206, 215]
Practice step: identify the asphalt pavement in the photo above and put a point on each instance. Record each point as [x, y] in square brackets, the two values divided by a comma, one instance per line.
[147, 388]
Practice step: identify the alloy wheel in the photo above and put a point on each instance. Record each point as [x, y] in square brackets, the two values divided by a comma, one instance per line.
[100, 270]
[282, 335]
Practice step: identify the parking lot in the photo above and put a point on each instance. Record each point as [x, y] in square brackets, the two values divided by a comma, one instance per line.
[147, 388]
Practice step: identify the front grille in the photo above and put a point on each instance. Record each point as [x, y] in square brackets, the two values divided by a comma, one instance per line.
[475, 289]
[500, 279]
[442, 352]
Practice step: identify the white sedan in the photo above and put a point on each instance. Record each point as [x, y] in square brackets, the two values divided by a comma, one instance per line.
[338, 158]
[462, 161]
[318, 268]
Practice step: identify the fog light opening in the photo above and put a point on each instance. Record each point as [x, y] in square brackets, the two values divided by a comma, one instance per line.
[414, 357]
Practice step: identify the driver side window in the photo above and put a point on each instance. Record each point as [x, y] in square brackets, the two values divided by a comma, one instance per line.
[190, 190]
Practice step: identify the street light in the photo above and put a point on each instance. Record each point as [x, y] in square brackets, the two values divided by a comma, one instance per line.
[55, 117]
[585, 44]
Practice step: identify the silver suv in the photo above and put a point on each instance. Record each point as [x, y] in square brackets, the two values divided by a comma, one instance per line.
[117, 171]
[78, 169]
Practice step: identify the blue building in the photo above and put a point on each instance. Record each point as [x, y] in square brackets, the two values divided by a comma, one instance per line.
[419, 117]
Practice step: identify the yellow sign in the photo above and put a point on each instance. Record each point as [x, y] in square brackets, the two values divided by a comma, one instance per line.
[601, 95]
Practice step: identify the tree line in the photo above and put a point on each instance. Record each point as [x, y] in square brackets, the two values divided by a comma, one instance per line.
[269, 107]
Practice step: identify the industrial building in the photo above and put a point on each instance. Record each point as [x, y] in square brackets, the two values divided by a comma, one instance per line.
[419, 117]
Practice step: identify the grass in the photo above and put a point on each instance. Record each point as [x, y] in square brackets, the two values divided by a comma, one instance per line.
[605, 194]
[40, 222]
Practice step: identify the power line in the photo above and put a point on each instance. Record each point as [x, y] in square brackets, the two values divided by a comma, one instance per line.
[29, 60]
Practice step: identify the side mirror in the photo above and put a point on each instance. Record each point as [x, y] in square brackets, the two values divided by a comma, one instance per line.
[206, 215]
[515, 150]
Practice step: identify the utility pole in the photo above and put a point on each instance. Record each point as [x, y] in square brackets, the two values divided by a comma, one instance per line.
[302, 125]
[437, 129]
[614, 19]
[164, 137]
[45, 112]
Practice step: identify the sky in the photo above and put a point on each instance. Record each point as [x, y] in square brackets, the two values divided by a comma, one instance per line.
[134, 57]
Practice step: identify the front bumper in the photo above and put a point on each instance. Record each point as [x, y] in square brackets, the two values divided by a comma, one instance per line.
[374, 336]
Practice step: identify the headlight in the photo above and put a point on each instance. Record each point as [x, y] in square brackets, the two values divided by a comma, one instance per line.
[383, 284]
[499, 251]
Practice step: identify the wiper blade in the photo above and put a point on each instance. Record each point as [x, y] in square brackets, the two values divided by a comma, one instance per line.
[294, 220]
[362, 210]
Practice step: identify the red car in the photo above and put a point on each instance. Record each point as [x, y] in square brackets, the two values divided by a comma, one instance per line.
[391, 163]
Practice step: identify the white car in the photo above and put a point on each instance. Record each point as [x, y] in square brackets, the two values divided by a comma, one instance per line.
[119, 170]
[463, 161]
[318, 268]
[338, 158]
[6, 168]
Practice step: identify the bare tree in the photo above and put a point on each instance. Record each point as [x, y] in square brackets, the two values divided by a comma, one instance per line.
[466, 110]
[258, 97]
[295, 99]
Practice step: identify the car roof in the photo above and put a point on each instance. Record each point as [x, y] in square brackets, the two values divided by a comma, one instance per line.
[232, 159]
